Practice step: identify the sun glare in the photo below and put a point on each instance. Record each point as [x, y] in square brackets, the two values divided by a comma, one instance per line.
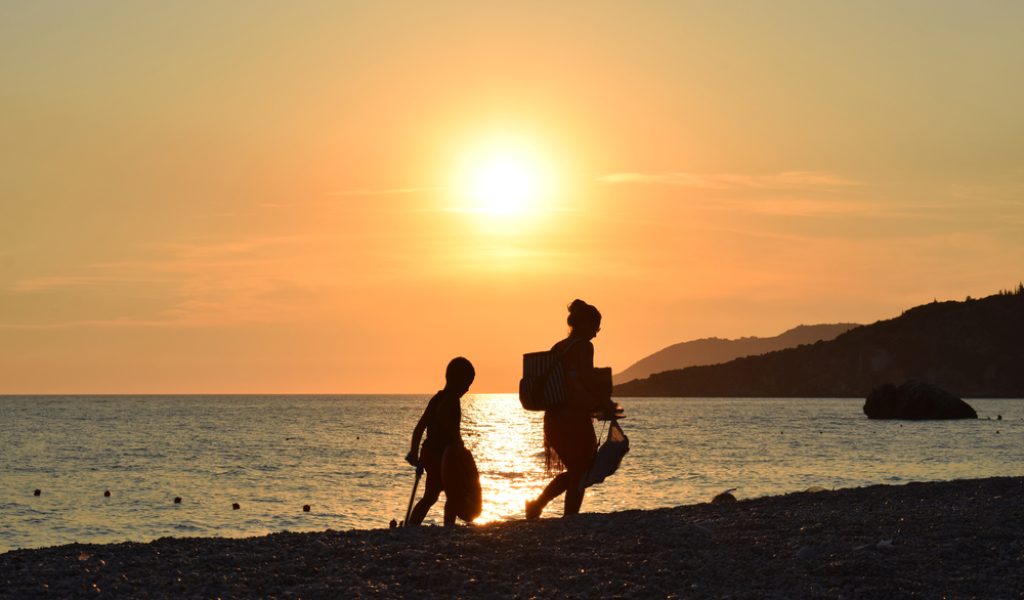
[504, 180]
[504, 187]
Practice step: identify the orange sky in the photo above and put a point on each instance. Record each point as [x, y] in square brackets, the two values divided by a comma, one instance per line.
[201, 198]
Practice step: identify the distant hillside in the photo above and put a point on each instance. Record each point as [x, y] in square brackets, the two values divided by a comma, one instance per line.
[711, 351]
[974, 349]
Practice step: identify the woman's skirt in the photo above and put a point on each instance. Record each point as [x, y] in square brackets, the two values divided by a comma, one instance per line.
[569, 440]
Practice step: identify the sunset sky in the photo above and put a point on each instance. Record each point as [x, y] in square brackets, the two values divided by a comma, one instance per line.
[201, 197]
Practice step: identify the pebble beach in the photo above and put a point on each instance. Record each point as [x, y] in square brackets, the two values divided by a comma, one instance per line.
[959, 539]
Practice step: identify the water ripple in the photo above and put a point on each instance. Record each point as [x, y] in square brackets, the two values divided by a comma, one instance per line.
[342, 455]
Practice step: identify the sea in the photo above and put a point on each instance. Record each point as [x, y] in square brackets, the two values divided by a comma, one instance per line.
[342, 456]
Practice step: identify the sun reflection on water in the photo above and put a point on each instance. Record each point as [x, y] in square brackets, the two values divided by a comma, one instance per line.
[507, 443]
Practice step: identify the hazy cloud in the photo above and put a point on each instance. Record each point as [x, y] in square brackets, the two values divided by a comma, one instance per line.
[787, 180]
[255, 279]
[42, 284]
[384, 191]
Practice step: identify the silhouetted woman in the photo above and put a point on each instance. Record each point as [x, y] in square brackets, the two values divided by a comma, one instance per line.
[569, 440]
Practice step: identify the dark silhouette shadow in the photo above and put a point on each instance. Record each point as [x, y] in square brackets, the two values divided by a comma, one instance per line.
[441, 421]
[569, 440]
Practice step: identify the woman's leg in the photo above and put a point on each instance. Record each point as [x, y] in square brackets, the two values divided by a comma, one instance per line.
[571, 436]
[577, 460]
[574, 492]
[557, 486]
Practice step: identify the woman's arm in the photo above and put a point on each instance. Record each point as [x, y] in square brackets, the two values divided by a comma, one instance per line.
[584, 388]
[578, 365]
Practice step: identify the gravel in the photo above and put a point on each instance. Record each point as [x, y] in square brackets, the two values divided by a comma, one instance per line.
[959, 539]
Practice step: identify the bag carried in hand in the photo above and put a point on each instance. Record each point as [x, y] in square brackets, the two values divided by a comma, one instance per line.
[608, 456]
[543, 384]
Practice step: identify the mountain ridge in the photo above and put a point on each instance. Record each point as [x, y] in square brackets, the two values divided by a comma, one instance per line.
[714, 350]
[971, 348]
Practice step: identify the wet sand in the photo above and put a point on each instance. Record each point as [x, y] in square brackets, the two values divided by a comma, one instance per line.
[960, 539]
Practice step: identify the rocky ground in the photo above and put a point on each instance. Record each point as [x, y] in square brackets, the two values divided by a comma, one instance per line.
[961, 539]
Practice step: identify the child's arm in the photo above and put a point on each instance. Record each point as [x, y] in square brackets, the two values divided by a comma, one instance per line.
[417, 434]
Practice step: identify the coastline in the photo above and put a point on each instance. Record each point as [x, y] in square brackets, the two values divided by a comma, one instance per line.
[962, 538]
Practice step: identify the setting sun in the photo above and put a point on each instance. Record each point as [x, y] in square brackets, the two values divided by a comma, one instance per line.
[504, 187]
[504, 179]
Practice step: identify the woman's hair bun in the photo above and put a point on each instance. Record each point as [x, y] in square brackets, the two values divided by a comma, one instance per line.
[577, 306]
[582, 314]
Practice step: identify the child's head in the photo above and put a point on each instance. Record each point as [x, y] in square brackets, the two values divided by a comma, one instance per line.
[459, 375]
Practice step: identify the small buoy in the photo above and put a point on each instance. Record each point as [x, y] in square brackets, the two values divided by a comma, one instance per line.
[177, 499]
[37, 492]
[106, 494]
[305, 508]
[235, 506]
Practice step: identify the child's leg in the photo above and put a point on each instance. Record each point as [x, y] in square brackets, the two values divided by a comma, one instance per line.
[430, 496]
[449, 513]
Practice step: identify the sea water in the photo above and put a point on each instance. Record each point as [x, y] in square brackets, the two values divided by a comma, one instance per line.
[343, 456]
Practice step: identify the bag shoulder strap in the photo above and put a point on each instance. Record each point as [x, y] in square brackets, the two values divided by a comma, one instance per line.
[560, 356]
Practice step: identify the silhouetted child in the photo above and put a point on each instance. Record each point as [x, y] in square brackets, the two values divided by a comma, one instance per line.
[441, 420]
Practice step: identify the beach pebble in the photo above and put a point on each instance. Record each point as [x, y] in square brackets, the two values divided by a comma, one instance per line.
[962, 541]
[812, 528]
[807, 553]
[725, 496]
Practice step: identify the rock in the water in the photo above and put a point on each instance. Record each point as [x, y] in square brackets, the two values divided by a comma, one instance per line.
[915, 400]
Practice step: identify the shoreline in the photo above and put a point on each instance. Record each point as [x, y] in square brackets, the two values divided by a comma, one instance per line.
[961, 538]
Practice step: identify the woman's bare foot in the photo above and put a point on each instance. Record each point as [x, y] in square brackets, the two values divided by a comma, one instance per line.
[533, 510]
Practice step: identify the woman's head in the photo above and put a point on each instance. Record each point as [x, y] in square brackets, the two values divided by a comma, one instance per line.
[584, 319]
